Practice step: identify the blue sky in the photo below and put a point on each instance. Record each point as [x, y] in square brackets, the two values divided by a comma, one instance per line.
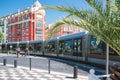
[11, 6]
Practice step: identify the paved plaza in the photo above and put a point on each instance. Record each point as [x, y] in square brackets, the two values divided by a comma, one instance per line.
[39, 70]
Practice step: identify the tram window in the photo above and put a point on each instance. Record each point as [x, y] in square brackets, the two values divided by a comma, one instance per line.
[62, 44]
[68, 46]
[50, 47]
[79, 45]
[75, 46]
[96, 47]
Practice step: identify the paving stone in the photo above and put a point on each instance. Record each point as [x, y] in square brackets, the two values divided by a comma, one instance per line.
[37, 72]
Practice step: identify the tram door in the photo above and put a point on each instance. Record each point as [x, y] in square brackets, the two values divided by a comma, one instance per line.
[77, 47]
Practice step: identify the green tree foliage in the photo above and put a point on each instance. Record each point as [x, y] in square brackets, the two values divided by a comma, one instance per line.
[1, 35]
[100, 21]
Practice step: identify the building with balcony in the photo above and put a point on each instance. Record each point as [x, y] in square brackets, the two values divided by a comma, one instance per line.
[24, 25]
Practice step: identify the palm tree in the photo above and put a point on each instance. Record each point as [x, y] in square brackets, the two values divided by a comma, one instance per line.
[100, 21]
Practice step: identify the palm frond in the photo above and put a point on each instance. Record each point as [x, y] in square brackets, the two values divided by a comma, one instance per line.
[99, 22]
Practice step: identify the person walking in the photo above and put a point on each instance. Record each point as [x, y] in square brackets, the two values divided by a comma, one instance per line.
[26, 51]
[18, 52]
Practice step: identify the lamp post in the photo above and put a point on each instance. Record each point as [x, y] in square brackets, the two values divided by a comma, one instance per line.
[57, 46]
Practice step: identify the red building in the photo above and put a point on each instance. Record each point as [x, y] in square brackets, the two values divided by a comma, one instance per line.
[26, 25]
[67, 29]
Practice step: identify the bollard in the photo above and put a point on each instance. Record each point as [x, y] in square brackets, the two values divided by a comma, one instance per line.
[4, 62]
[15, 63]
[30, 63]
[75, 73]
[49, 66]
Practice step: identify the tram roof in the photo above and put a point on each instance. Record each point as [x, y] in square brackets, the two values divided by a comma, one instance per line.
[36, 41]
[71, 36]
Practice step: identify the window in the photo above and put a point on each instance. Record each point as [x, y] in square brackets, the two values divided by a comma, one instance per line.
[18, 26]
[39, 17]
[23, 32]
[26, 38]
[65, 28]
[27, 24]
[12, 33]
[70, 28]
[79, 45]
[38, 24]
[96, 47]
[23, 17]
[18, 33]
[2, 23]
[38, 32]
[18, 18]
[22, 25]
[26, 31]
[27, 16]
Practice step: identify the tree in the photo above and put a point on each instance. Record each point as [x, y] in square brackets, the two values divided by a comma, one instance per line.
[1, 35]
[100, 21]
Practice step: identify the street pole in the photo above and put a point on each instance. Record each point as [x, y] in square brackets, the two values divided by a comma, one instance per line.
[107, 60]
[57, 46]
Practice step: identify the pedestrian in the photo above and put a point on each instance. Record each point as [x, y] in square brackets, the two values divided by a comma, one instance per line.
[26, 51]
[18, 52]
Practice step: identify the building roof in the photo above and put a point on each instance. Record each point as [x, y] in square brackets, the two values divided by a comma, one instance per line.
[37, 4]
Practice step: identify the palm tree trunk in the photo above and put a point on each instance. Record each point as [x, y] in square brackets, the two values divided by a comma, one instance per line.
[107, 60]
[107, 52]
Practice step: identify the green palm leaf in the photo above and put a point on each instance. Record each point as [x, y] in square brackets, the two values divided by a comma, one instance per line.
[99, 21]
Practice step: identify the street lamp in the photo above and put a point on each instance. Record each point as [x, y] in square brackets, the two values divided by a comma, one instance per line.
[57, 46]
